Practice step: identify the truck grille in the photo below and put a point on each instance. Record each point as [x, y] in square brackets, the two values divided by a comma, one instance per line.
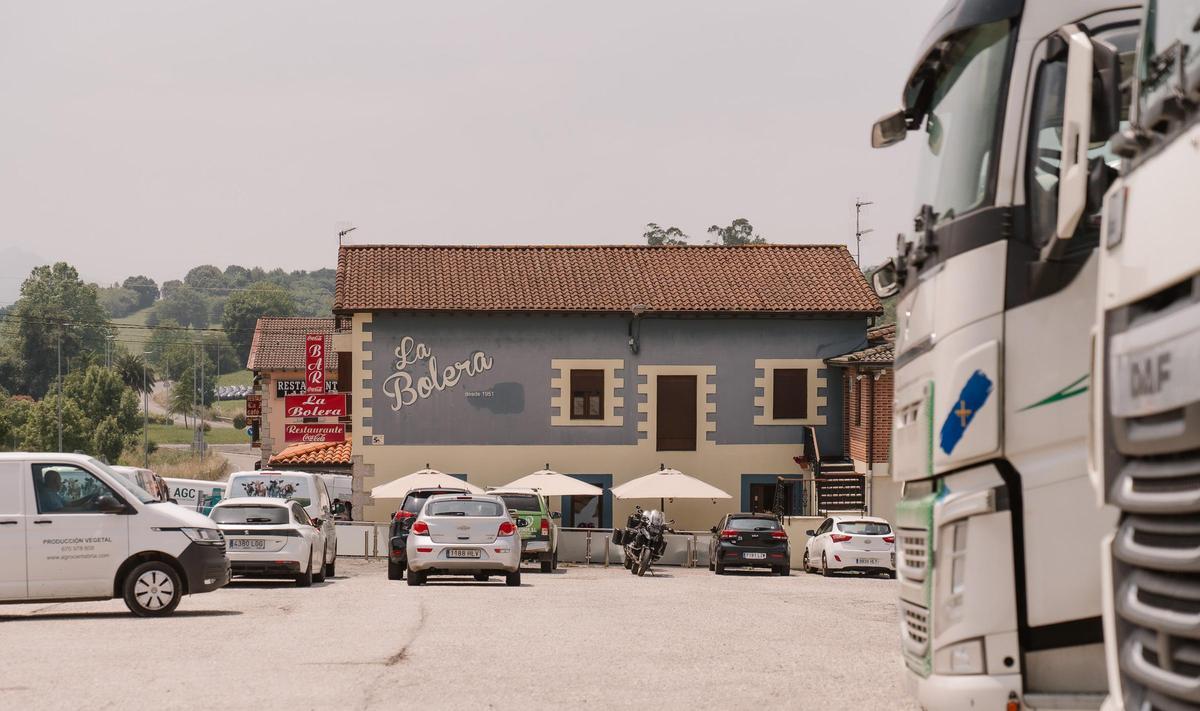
[915, 630]
[912, 547]
[1152, 474]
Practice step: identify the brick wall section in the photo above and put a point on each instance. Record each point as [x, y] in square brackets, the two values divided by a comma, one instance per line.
[857, 434]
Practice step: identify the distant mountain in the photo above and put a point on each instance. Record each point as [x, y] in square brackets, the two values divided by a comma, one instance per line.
[15, 265]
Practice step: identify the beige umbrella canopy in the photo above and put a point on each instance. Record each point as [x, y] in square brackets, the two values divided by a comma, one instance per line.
[423, 479]
[668, 484]
[550, 483]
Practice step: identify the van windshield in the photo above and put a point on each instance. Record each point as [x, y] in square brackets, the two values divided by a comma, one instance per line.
[275, 486]
[126, 482]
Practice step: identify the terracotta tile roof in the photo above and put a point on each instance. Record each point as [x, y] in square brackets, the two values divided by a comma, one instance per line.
[313, 453]
[886, 332]
[279, 343]
[778, 278]
[883, 354]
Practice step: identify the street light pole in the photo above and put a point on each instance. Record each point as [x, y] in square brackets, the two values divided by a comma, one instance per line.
[145, 416]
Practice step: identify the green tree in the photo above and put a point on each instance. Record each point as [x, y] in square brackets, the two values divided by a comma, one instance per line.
[129, 367]
[14, 412]
[205, 277]
[169, 286]
[40, 431]
[145, 287]
[55, 304]
[187, 391]
[118, 301]
[244, 308]
[185, 305]
[658, 236]
[739, 232]
[105, 398]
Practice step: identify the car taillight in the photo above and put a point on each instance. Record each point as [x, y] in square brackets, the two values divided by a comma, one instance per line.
[840, 538]
[779, 535]
[728, 534]
[545, 527]
[506, 529]
[889, 539]
[421, 528]
[402, 514]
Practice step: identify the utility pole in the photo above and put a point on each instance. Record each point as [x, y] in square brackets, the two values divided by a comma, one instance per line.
[60, 395]
[203, 356]
[858, 230]
[145, 415]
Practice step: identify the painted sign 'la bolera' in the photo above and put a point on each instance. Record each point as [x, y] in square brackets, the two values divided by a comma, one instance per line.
[405, 389]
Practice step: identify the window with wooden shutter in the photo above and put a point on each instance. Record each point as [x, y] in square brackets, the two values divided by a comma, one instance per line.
[587, 394]
[790, 398]
[676, 413]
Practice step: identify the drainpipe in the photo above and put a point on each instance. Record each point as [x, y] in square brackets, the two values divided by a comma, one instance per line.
[870, 447]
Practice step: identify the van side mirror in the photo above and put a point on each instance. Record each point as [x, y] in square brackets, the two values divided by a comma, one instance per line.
[885, 281]
[889, 130]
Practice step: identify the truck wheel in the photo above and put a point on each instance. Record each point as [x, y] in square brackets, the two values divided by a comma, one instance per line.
[319, 576]
[513, 579]
[305, 579]
[395, 571]
[152, 589]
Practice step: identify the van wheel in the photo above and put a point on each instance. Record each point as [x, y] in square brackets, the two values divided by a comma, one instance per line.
[513, 579]
[319, 576]
[395, 571]
[305, 579]
[152, 589]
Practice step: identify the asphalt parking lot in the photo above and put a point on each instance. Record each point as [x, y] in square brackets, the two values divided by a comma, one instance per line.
[578, 638]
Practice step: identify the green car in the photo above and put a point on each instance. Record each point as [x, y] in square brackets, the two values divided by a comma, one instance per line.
[535, 525]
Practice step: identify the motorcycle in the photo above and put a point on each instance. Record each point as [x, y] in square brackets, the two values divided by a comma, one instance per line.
[643, 539]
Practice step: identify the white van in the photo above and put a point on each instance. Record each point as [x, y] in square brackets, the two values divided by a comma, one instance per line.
[307, 488]
[71, 529]
[195, 494]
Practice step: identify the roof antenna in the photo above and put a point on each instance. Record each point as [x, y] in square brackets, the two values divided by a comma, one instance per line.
[343, 233]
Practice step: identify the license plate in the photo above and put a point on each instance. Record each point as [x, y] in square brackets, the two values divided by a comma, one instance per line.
[755, 556]
[462, 553]
[250, 544]
[866, 561]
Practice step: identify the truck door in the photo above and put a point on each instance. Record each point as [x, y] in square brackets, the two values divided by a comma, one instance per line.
[13, 585]
[78, 532]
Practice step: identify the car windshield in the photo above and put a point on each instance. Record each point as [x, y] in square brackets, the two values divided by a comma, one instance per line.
[864, 528]
[959, 102]
[275, 486]
[1171, 27]
[464, 507]
[250, 514]
[522, 502]
[126, 482]
[753, 524]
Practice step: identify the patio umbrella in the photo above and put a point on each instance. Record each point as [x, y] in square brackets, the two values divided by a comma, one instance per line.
[549, 483]
[423, 479]
[668, 484]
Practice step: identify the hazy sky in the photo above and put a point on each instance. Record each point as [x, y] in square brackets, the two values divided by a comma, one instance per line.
[154, 136]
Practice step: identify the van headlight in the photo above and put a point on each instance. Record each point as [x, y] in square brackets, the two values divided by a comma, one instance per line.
[208, 536]
[961, 658]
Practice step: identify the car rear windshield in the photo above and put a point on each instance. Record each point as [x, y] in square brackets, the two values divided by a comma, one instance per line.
[753, 524]
[468, 507]
[250, 514]
[864, 528]
[522, 502]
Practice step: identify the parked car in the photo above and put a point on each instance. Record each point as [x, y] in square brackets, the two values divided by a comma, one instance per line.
[864, 544]
[402, 521]
[272, 538]
[70, 529]
[306, 488]
[749, 540]
[535, 525]
[465, 534]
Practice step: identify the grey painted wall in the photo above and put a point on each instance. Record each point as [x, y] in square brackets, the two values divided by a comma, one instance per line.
[521, 347]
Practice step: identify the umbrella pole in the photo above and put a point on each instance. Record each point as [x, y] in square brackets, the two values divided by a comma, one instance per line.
[662, 505]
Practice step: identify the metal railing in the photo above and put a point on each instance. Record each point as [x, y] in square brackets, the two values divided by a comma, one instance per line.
[362, 539]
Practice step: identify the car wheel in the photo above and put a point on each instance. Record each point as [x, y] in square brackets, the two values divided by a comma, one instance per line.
[807, 568]
[395, 571]
[513, 579]
[711, 565]
[331, 566]
[416, 577]
[644, 562]
[891, 574]
[825, 566]
[785, 569]
[319, 575]
[719, 569]
[152, 589]
[305, 579]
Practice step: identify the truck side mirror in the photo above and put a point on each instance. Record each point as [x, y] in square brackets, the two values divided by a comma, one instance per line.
[1106, 91]
[885, 281]
[889, 130]
[1076, 131]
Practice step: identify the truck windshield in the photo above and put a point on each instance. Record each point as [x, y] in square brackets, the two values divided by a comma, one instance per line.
[1171, 27]
[959, 98]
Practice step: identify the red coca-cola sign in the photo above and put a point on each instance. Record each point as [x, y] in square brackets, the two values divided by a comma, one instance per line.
[314, 362]
[333, 432]
[315, 405]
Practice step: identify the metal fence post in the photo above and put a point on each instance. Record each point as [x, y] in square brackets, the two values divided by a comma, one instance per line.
[366, 546]
[587, 548]
[606, 547]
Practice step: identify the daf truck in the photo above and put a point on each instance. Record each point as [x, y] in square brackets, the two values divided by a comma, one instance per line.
[1146, 449]
[1012, 104]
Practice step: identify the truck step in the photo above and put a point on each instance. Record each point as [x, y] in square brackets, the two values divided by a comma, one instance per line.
[1079, 702]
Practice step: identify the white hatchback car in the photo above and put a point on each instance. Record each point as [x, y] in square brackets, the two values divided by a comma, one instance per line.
[464, 534]
[864, 544]
[271, 538]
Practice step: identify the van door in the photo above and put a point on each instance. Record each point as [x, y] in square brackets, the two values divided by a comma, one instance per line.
[13, 585]
[76, 538]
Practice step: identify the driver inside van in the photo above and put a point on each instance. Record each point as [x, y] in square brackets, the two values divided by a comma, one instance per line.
[48, 497]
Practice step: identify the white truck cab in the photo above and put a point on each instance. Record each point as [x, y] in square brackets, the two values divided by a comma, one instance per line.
[71, 530]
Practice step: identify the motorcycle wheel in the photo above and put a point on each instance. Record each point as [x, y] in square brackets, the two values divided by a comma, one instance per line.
[644, 562]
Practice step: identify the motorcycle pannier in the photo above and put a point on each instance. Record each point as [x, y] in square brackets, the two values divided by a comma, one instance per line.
[618, 536]
[634, 521]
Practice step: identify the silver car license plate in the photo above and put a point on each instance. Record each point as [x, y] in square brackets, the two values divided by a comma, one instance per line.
[754, 556]
[248, 544]
[866, 561]
[462, 553]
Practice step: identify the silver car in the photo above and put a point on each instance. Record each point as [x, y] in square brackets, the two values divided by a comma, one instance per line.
[464, 534]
